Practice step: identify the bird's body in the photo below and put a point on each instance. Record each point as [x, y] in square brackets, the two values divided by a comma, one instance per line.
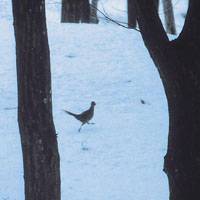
[85, 116]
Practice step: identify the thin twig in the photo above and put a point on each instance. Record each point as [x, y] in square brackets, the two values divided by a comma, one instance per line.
[112, 20]
[104, 10]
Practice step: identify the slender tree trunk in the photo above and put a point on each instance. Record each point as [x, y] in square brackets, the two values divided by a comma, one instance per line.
[64, 11]
[85, 11]
[38, 137]
[70, 11]
[75, 11]
[169, 17]
[93, 12]
[132, 14]
[179, 65]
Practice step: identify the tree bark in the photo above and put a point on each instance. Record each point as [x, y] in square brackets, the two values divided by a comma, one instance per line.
[70, 11]
[38, 136]
[132, 15]
[85, 11]
[132, 12]
[178, 63]
[156, 3]
[169, 17]
[75, 11]
[93, 12]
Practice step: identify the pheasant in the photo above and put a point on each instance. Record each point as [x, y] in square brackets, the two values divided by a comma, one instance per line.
[85, 116]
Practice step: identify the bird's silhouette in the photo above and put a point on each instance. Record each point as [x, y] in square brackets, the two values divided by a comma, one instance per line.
[85, 116]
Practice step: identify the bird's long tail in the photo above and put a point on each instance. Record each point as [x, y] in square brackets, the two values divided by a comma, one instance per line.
[70, 113]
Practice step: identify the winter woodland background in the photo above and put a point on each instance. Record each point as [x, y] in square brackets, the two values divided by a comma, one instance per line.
[121, 156]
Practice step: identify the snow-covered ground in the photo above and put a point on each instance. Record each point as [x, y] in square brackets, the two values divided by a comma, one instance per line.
[121, 156]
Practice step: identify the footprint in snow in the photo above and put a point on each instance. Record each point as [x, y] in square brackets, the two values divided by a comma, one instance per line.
[70, 56]
[144, 102]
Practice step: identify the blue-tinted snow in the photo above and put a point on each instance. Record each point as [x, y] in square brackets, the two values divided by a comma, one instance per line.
[121, 156]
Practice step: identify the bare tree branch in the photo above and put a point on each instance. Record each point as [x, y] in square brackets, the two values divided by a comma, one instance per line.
[112, 20]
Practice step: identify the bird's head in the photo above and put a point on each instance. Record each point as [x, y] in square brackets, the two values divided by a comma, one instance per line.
[93, 103]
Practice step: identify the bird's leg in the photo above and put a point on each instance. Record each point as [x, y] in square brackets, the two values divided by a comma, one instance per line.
[80, 127]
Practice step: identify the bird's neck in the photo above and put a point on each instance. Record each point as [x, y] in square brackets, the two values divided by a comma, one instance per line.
[92, 107]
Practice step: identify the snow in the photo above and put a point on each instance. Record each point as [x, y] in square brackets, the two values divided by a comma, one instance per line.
[121, 156]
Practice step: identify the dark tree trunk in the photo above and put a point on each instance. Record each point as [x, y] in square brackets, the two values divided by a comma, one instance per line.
[38, 137]
[178, 62]
[70, 11]
[132, 15]
[93, 12]
[132, 12]
[85, 11]
[75, 11]
[169, 17]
